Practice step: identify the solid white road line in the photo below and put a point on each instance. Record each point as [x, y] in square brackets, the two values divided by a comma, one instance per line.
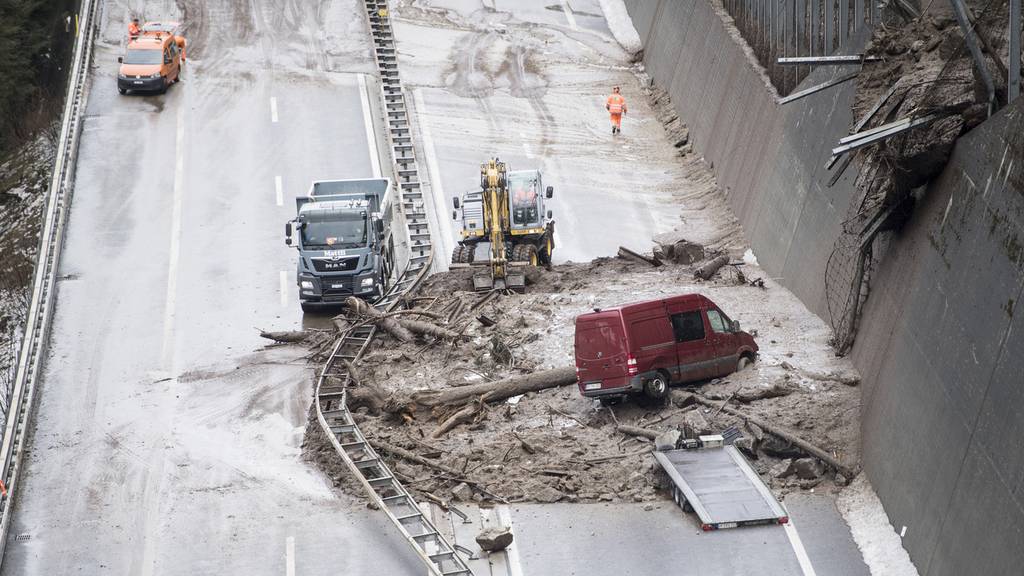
[273, 109]
[371, 134]
[444, 225]
[798, 548]
[569, 15]
[515, 568]
[279, 189]
[167, 355]
[289, 556]
[284, 288]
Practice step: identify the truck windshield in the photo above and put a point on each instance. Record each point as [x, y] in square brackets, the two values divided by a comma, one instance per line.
[523, 189]
[334, 231]
[143, 57]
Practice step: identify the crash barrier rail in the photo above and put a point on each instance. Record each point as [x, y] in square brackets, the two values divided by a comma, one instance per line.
[377, 479]
[51, 238]
[801, 28]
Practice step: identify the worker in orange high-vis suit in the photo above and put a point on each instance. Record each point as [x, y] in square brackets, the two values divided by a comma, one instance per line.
[134, 30]
[616, 106]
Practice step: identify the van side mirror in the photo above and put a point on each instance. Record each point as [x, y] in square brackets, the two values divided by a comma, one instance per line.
[549, 192]
[378, 225]
[735, 327]
[455, 203]
[120, 59]
[288, 233]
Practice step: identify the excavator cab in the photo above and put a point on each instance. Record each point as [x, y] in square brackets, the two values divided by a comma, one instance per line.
[505, 227]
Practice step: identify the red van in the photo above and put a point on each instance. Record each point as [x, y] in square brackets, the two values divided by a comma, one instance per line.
[646, 346]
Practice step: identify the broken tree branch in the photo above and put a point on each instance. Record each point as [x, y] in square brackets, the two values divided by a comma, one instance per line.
[637, 431]
[400, 452]
[785, 435]
[391, 325]
[467, 413]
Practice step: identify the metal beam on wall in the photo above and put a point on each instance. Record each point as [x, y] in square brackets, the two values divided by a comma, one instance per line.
[1013, 68]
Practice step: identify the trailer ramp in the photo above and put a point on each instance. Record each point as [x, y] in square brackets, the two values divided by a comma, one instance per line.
[721, 487]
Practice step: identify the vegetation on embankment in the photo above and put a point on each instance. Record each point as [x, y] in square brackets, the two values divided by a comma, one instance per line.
[36, 40]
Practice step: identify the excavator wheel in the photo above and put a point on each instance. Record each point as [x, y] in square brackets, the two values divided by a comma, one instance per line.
[462, 254]
[525, 253]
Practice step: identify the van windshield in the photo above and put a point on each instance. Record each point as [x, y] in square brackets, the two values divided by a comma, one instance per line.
[143, 57]
[599, 340]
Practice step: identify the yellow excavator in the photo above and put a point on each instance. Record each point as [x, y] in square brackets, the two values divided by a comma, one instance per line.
[505, 227]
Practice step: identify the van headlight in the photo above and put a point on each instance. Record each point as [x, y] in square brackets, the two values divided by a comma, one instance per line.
[306, 285]
[157, 75]
[366, 282]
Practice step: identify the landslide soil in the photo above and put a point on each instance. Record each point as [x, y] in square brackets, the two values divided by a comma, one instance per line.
[555, 445]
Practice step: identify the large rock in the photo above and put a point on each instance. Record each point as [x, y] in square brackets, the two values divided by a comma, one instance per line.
[694, 424]
[462, 492]
[808, 468]
[678, 249]
[667, 440]
[494, 539]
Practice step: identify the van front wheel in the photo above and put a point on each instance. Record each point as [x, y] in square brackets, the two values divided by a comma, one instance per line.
[657, 387]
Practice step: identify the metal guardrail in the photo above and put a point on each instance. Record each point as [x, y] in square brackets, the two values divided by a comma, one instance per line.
[440, 557]
[51, 238]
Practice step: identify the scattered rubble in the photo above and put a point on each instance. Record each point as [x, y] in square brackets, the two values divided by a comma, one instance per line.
[492, 414]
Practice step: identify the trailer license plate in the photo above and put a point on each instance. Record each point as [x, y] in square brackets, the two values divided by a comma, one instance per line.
[592, 386]
[724, 525]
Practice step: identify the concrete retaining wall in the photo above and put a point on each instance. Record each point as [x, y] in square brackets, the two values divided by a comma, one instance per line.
[941, 344]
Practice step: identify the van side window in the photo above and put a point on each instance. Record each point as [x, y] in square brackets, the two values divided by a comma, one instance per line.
[688, 326]
[718, 324]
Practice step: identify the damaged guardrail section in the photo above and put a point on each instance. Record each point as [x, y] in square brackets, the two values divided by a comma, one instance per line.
[440, 557]
[51, 237]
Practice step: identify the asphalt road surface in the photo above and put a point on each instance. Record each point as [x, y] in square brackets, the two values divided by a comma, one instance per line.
[166, 439]
[164, 443]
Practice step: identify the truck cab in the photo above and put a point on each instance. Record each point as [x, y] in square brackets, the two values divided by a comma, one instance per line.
[646, 346]
[342, 231]
[153, 61]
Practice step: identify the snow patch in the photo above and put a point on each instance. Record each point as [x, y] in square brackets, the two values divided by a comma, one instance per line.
[621, 25]
[749, 259]
[879, 543]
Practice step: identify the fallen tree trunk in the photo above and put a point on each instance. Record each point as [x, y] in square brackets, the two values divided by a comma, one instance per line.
[497, 390]
[774, 430]
[391, 325]
[428, 329]
[627, 254]
[709, 269]
[637, 431]
[287, 336]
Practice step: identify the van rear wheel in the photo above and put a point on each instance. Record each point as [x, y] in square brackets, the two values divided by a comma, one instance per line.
[656, 387]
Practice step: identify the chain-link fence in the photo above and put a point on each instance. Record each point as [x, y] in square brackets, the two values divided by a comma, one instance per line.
[892, 173]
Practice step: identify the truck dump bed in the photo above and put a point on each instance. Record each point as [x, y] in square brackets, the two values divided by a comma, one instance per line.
[721, 487]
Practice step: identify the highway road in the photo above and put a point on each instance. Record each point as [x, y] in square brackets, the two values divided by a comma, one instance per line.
[166, 439]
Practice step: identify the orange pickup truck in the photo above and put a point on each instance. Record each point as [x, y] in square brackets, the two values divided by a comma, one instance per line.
[152, 61]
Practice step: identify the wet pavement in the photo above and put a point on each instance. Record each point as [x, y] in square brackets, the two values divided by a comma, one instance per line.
[166, 439]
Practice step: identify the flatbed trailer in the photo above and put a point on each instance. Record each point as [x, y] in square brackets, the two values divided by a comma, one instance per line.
[721, 487]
